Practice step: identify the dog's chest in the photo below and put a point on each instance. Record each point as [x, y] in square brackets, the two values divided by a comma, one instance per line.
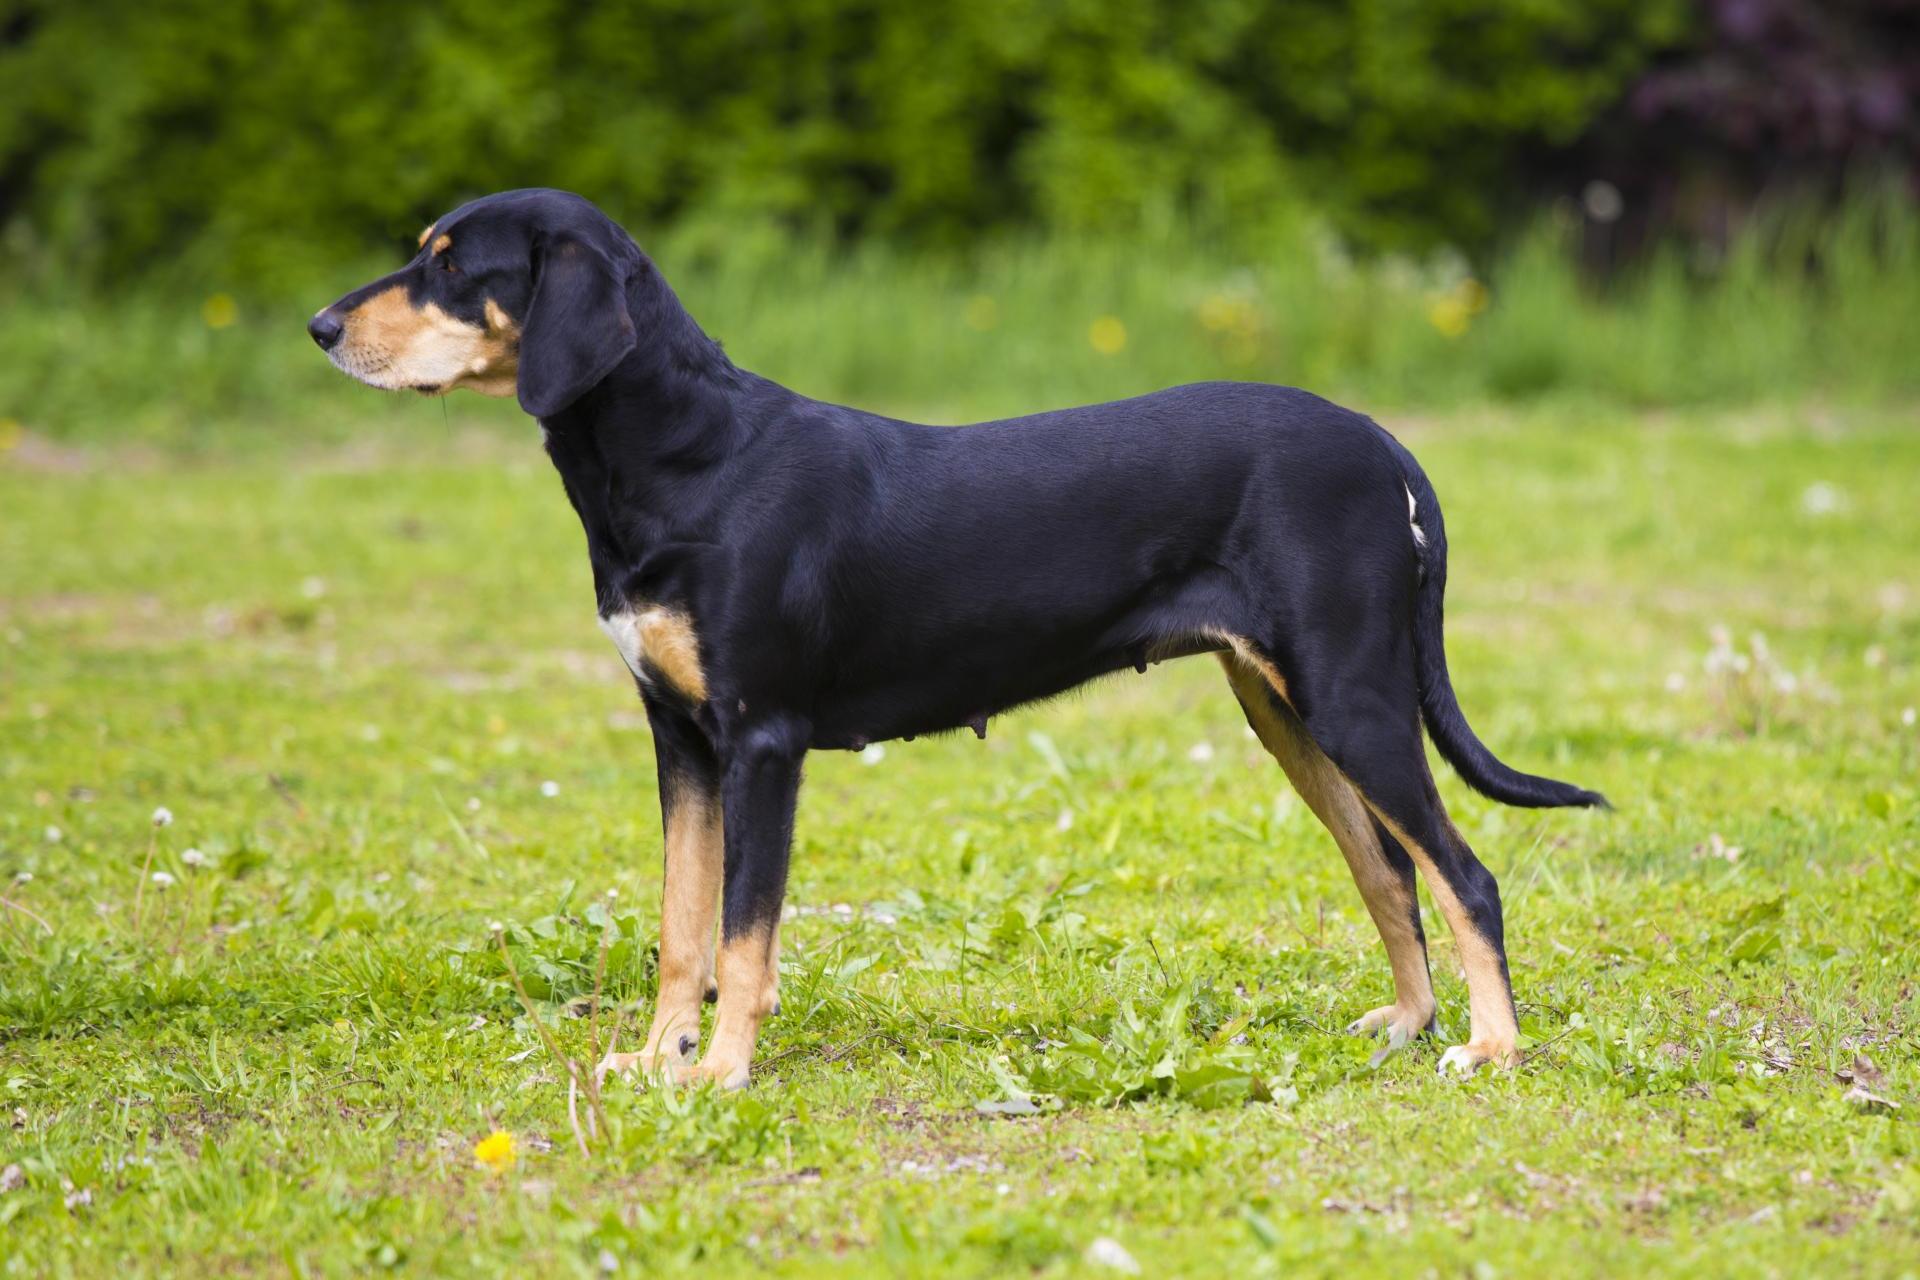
[660, 647]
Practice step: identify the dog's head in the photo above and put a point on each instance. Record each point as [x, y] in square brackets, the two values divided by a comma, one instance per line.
[518, 293]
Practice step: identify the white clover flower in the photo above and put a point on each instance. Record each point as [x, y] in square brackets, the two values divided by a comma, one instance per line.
[1108, 1253]
[1200, 752]
[163, 817]
[163, 878]
[23, 877]
[549, 788]
[873, 753]
[1907, 717]
[473, 804]
[1821, 499]
[53, 835]
[1676, 683]
[313, 588]
[193, 858]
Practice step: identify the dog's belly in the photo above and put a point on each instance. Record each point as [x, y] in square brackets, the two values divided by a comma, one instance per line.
[961, 687]
[849, 718]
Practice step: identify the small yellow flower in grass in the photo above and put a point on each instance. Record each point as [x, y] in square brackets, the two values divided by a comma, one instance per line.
[220, 311]
[1449, 315]
[497, 1151]
[1108, 335]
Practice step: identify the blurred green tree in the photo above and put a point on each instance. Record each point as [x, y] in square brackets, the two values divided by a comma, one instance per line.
[263, 135]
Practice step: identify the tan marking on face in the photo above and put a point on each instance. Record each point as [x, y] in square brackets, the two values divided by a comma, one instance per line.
[690, 894]
[425, 232]
[1493, 1035]
[392, 344]
[748, 973]
[441, 245]
[1339, 807]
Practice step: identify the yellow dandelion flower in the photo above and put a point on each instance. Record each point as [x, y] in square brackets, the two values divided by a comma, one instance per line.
[1449, 315]
[219, 311]
[1108, 335]
[982, 313]
[1217, 312]
[497, 1151]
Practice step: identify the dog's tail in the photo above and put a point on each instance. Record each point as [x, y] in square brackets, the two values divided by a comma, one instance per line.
[1469, 756]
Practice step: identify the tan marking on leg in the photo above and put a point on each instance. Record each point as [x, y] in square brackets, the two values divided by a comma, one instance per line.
[689, 900]
[1492, 1033]
[1247, 655]
[441, 244]
[748, 992]
[671, 647]
[1339, 807]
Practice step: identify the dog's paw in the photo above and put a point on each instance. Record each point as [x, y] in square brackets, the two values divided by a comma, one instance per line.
[1465, 1059]
[664, 1064]
[1399, 1025]
[725, 1075]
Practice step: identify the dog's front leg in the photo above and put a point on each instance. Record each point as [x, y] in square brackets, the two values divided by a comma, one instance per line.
[759, 788]
[690, 814]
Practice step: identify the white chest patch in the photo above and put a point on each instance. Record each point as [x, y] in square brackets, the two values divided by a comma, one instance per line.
[621, 629]
[659, 643]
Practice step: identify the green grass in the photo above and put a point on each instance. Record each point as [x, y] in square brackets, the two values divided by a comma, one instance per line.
[350, 680]
[1796, 308]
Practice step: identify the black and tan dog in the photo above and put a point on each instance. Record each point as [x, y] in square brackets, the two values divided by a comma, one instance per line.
[782, 574]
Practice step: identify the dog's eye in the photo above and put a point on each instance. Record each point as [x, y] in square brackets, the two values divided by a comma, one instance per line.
[446, 262]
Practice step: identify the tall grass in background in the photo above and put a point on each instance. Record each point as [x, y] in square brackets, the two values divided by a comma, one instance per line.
[1798, 306]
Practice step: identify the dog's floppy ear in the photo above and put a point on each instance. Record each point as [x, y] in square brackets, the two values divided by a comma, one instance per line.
[577, 327]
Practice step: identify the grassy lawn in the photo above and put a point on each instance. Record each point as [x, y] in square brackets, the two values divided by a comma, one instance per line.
[371, 692]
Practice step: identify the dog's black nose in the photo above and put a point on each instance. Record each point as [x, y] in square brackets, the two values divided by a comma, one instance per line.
[326, 329]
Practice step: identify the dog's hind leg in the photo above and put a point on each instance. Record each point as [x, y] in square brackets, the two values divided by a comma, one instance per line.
[1360, 704]
[1381, 868]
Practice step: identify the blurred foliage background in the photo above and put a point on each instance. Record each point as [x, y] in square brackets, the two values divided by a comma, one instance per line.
[1276, 175]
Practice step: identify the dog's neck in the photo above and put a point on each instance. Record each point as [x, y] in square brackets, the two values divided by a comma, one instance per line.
[626, 449]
